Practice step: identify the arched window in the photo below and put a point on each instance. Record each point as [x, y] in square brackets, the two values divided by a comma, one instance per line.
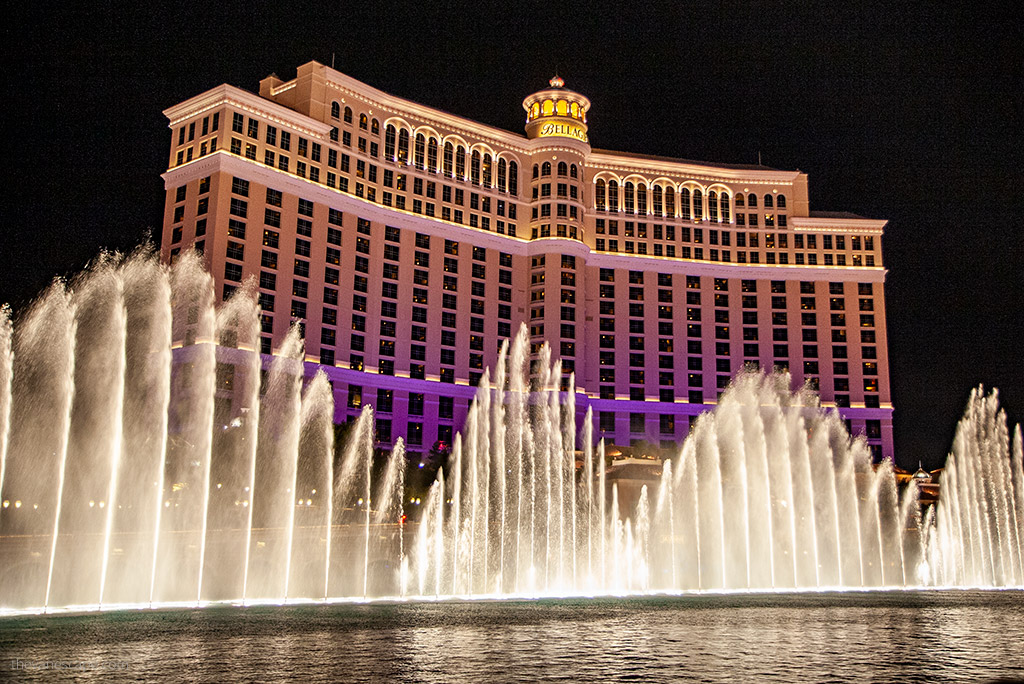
[573, 172]
[599, 201]
[613, 195]
[698, 205]
[389, 142]
[363, 121]
[348, 115]
[502, 175]
[513, 178]
[432, 154]
[713, 205]
[739, 199]
[487, 171]
[684, 203]
[656, 199]
[545, 169]
[474, 169]
[724, 203]
[670, 202]
[335, 110]
[420, 150]
[768, 202]
[449, 159]
[536, 170]
[627, 196]
[375, 127]
[641, 198]
[403, 146]
[460, 163]
[751, 200]
[563, 168]
[780, 201]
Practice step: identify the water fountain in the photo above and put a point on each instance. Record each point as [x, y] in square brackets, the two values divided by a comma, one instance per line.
[127, 478]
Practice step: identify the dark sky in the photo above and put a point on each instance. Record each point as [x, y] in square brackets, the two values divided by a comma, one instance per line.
[910, 114]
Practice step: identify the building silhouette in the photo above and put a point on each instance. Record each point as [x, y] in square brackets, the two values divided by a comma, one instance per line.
[411, 243]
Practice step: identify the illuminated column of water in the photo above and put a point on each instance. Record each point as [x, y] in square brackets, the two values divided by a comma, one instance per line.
[663, 565]
[954, 525]
[803, 499]
[541, 553]
[388, 499]
[437, 503]
[1001, 486]
[274, 496]
[6, 372]
[640, 559]
[887, 507]
[735, 502]
[867, 489]
[759, 508]
[781, 468]
[455, 473]
[588, 497]
[826, 504]
[517, 428]
[345, 492]
[967, 477]
[94, 436]
[183, 529]
[238, 326]
[556, 492]
[501, 463]
[147, 387]
[569, 486]
[849, 512]
[470, 499]
[709, 496]
[484, 448]
[367, 458]
[58, 314]
[118, 326]
[910, 543]
[1017, 477]
[616, 541]
[995, 456]
[318, 442]
[602, 522]
[311, 505]
[687, 512]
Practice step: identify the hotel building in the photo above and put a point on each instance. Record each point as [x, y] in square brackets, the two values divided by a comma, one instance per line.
[411, 243]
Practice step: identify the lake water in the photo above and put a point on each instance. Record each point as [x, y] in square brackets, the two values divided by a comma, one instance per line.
[837, 637]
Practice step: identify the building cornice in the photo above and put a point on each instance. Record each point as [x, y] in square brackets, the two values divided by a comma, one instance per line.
[242, 99]
[625, 165]
[837, 225]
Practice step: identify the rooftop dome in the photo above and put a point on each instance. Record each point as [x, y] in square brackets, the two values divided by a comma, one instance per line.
[556, 111]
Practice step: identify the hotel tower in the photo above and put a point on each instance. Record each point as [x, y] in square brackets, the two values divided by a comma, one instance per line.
[412, 243]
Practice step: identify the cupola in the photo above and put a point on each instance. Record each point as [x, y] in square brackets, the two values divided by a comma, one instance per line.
[556, 112]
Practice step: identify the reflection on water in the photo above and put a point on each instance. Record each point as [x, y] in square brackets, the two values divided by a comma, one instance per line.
[849, 637]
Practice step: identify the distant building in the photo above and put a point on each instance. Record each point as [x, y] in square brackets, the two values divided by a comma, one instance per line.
[411, 243]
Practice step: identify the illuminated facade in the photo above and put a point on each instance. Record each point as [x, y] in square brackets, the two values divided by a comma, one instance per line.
[411, 243]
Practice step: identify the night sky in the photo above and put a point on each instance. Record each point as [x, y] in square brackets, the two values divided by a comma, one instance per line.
[910, 115]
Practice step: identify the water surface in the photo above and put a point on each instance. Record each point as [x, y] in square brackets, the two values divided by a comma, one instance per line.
[838, 637]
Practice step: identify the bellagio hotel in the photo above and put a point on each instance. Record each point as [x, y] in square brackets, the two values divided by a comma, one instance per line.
[411, 243]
